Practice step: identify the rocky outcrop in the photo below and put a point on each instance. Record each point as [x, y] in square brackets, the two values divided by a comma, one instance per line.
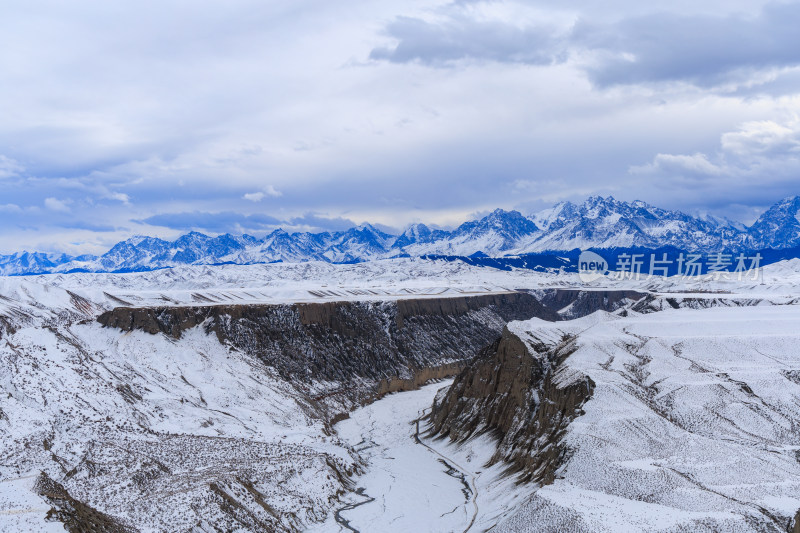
[420, 377]
[653, 303]
[349, 342]
[525, 395]
[575, 303]
[76, 516]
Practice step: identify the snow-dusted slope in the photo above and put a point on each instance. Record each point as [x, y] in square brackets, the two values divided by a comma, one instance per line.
[292, 282]
[163, 435]
[376, 280]
[693, 423]
[171, 433]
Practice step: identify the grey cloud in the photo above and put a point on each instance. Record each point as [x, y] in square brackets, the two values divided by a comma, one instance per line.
[224, 222]
[315, 221]
[459, 38]
[754, 165]
[704, 50]
[79, 224]
[232, 222]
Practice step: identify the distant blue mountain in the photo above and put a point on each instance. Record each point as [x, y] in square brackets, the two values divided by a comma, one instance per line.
[509, 238]
[508, 228]
[778, 227]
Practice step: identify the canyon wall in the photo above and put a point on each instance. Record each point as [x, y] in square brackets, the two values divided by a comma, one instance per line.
[526, 395]
[367, 347]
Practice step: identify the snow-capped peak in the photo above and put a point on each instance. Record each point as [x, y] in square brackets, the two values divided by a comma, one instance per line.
[598, 222]
[779, 226]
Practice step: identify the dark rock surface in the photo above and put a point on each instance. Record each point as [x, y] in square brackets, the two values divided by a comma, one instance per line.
[77, 516]
[420, 377]
[575, 303]
[525, 395]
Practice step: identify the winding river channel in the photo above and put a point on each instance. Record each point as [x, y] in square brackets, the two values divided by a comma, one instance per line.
[410, 484]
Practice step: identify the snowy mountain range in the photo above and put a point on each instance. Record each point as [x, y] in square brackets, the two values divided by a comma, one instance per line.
[598, 222]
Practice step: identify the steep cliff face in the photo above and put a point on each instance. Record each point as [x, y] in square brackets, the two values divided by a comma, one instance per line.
[570, 304]
[526, 394]
[420, 377]
[356, 344]
[575, 303]
[652, 303]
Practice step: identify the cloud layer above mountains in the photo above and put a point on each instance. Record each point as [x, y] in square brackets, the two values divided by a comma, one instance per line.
[160, 117]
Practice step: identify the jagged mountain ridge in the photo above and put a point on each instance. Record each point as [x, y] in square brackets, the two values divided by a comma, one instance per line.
[597, 223]
[609, 223]
[779, 226]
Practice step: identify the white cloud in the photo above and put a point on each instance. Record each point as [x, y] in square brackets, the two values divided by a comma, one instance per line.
[758, 138]
[271, 191]
[257, 196]
[753, 166]
[254, 196]
[9, 167]
[766, 149]
[10, 208]
[696, 164]
[54, 204]
[119, 196]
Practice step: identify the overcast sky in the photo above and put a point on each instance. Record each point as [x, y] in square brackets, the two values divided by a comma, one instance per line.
[122, 118]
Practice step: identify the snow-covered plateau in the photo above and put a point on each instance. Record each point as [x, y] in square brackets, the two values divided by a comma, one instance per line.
[261, 398]
[692, 424]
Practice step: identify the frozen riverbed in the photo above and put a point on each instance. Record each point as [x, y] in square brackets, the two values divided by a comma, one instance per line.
[407, 486]
[414, 483]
